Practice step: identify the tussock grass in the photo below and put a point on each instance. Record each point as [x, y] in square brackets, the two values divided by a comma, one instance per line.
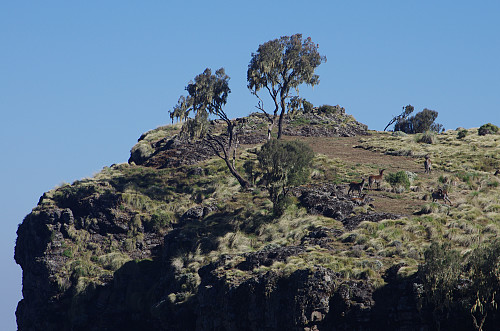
[113, 261]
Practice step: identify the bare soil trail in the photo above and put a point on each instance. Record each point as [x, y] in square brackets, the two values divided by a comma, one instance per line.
[344, 148]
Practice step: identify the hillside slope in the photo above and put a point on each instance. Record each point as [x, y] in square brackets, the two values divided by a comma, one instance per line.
[170, 241]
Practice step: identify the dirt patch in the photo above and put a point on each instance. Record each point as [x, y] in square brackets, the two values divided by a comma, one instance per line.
[344, 148]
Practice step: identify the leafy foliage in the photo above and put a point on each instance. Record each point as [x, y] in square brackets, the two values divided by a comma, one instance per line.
[207, 95]
[487, 129]
[327, 109]
[280, 66]
[284, 164]
[399, 178]
[482, 269]
[401, 117]
[462, 134]
[421, 122]
[467, 284]
[307, 106]
[440, 274]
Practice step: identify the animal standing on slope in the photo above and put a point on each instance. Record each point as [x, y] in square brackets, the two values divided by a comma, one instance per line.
[427, 165]
[375, 179]
[360, 200]
[440, 194]
[356, 187]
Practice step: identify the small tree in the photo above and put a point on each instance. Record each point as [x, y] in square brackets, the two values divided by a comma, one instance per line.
[483, 269]
[424, 121]
[487, 129]
[440, 274]
[180, 110]
[466, 285]
[421, 122]
[400, 118]
[208, 95]
[398, 179]
[279, 67]
[284, 164]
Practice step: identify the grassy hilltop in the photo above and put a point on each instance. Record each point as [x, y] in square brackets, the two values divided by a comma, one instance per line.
[152, 237]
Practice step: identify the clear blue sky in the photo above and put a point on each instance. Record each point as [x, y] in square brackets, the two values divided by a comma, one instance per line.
[80, 81]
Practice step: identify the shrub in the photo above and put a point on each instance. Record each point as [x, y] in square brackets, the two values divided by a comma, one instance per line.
[250, 170]
[421, 122]
[159, 220]
[465, 285]
[327, 109]
[308, 107]
[428, 137]
[461, 134]
[284, 164]
[440, 274]
[398, 179]
[487, 129]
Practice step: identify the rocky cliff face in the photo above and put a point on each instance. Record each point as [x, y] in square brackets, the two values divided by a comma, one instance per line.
[136, 294]
[168, 242]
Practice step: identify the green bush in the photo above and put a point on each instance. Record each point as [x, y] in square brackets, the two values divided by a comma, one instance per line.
[440, 274]
[327, 109]
[461, 134]
[487, 129]
[465, 285]
[159, 220]
[421, 122]
[428, 137]
[398, 179]
[251, 171]
[284, 164]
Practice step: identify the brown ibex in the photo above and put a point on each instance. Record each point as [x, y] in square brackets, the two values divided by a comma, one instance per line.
[440, 194]
[360, 200]
[375, 179]
[356, 187]
[427, 165]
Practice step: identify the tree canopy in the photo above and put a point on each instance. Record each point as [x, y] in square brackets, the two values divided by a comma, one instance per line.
[279, 66]
[421, 122]
[207, 95]
[284, 164]
[399, 118]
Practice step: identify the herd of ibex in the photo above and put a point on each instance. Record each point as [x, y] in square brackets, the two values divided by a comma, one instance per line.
[440, 194]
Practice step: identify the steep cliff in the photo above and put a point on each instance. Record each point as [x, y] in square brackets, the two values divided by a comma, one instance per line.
[170, 242]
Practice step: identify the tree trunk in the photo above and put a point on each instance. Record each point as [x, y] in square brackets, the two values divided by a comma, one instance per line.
[270, 127]
[280, 121]
[243, 182]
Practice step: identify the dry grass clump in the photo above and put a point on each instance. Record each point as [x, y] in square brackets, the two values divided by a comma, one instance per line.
[113, 261]
[428, 137]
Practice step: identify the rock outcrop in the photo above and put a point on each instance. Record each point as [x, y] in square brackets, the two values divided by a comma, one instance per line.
[174, 150]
